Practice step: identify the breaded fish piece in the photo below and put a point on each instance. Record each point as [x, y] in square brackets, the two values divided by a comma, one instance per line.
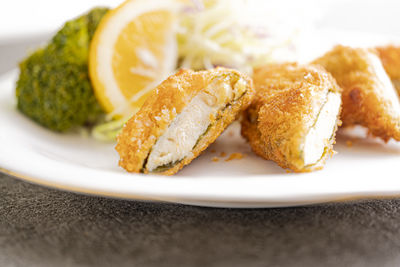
[390, 57]
[369, 98]
[181, 118]
[294, 115]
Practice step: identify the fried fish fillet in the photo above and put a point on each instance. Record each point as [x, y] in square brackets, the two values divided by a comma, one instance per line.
[294, 115]
[390, 57]
[369, 98]
[181, 118]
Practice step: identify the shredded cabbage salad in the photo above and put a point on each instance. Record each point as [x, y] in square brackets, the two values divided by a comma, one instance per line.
[215, 33]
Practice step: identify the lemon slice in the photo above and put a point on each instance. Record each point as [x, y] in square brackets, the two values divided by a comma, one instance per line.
[133, 50]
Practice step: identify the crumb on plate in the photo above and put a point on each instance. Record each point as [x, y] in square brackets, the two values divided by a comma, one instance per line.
[235, 156]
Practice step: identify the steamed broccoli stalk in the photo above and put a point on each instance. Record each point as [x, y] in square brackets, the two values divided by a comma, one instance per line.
[54, 87]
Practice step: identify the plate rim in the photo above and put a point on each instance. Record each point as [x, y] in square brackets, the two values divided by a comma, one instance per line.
[210, 203]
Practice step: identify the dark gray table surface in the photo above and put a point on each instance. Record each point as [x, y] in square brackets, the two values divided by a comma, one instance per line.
[46, 227]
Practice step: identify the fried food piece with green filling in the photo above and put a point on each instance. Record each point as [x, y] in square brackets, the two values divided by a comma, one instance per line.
[369, 97]
[294, 115]
[181, 118]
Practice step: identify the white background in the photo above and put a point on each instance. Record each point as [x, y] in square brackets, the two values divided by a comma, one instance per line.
[25, 18]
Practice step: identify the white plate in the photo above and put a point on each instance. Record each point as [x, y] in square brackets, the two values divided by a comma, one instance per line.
[71, 162]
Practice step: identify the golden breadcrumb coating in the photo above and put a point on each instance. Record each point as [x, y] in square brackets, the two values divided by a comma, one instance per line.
[390, 57]
[161, 108]
[287, 103]
[369, 99]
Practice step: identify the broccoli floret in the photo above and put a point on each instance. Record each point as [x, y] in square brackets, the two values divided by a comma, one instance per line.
[54, 87]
